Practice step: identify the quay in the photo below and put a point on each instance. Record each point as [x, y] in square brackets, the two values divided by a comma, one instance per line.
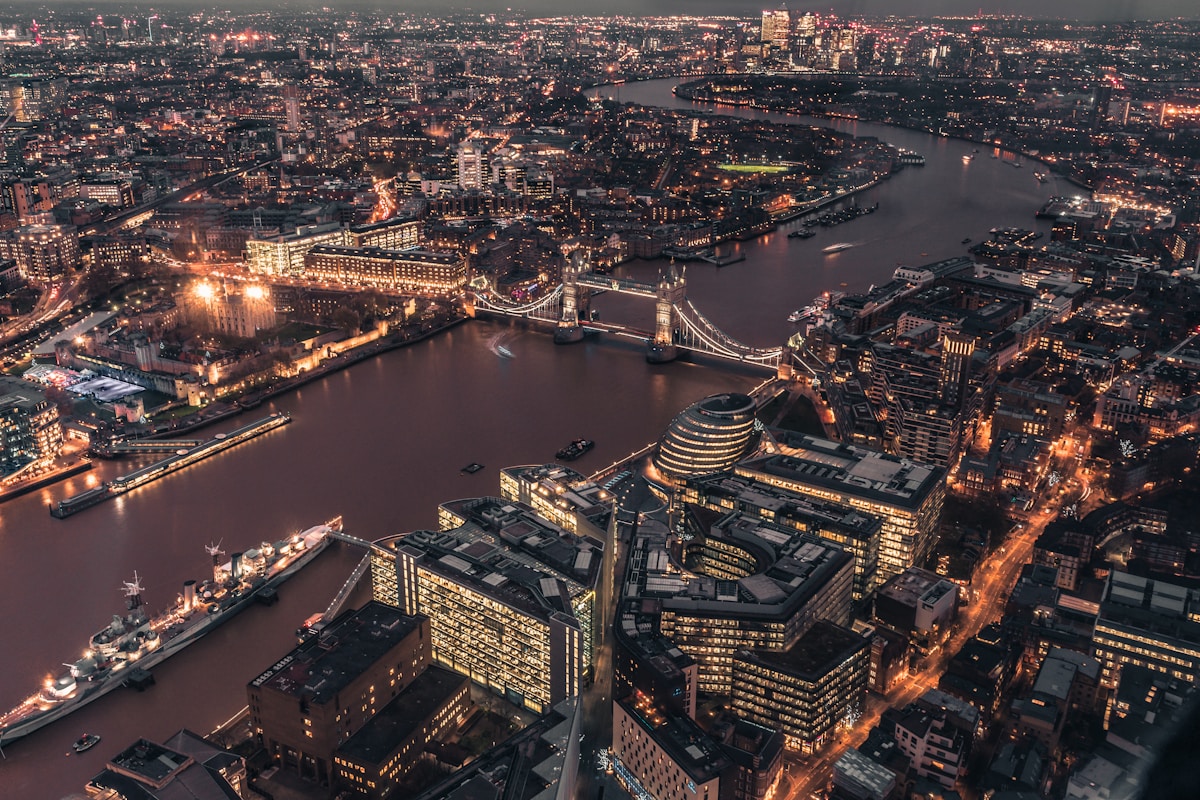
[159, 469]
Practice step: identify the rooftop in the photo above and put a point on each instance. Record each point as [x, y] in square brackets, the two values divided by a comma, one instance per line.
[395, 722]
[820, 650]
[325, 664]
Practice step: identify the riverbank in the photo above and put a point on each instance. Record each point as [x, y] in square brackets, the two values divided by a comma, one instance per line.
[223, 410]
[254, 399]
[45, 479]
[825, 115]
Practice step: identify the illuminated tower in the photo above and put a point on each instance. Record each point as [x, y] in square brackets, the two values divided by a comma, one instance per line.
[776, 27]
[672, 288]
[574, 303]
[957, 350]
[291, 107]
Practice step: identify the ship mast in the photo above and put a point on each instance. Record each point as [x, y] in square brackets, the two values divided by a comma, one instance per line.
[133, 592]
[216, 552]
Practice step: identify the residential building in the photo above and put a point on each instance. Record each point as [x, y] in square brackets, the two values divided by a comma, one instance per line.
[408, 271]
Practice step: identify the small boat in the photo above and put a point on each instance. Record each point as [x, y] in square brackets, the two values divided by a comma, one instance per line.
[795, 316]
[805, 234]
[968, 158]
[837, 248]
[575, 449]
[967, 240]
[472, 468]
[86, 742]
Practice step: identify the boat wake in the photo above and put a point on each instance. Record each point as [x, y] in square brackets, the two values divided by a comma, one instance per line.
[497, 345]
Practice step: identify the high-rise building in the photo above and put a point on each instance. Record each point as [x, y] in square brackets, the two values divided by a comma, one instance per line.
[776, 27]
[906, 496]
[807, 691]
[511, 597]
[291, 107]
[473, 172]
[957, 350]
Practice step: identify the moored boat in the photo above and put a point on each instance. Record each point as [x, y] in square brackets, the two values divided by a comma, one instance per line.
[136, 641]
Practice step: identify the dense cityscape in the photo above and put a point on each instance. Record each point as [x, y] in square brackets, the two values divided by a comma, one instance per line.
[927, 533]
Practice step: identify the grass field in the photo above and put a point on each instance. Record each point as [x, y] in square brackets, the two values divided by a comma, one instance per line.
[754, 168]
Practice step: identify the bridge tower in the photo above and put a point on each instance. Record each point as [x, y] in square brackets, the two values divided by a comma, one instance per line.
[574, 300]
[672, 289]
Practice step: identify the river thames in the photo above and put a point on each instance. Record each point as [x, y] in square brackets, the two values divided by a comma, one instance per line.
[383, 442]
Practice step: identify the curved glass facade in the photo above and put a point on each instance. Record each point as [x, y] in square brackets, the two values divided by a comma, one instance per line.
[709, 436]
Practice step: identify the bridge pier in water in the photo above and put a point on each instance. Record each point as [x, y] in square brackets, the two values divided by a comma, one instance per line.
[671, 290]
[574, 303]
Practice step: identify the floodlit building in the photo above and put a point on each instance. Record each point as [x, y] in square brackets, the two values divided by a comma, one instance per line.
[412, 271]
[243, 310]
[511, 597]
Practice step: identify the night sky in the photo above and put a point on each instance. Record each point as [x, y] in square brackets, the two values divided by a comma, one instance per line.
[1063, 9]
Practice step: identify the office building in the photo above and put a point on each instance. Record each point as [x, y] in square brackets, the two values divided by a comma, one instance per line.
[409, 271]
[1148, 623]
[669, 755]
[315, 698]
[397, 233]
[709, 436]
[283, 254]
[749, 584]
[370, 762]
[561, 495]
[808, 690]
[917, 602]
[907, 497]
[776, 28]
[854, 531]
[511, 597]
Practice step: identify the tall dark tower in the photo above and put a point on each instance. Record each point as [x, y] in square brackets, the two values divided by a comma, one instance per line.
[957, 350]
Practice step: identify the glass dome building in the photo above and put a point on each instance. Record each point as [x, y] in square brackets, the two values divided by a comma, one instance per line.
[709, 436]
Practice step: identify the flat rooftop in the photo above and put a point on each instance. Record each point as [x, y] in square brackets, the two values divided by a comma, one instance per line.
[325, 664]
[822, 649]
[851, 471]
[408, 711]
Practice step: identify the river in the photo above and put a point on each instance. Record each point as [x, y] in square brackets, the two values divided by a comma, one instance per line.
[383, 442]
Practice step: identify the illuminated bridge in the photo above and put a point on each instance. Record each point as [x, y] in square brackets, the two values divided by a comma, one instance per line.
[678, 324]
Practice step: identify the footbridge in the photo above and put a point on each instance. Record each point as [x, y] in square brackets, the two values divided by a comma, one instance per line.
[678, 324]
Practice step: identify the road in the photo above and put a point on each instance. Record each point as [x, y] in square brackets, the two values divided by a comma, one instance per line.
[992, 585]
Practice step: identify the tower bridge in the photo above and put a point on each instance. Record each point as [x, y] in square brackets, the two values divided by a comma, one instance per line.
[678, 324]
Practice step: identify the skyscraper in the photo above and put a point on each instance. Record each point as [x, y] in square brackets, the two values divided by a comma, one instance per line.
[291, 107]
[776, 27]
